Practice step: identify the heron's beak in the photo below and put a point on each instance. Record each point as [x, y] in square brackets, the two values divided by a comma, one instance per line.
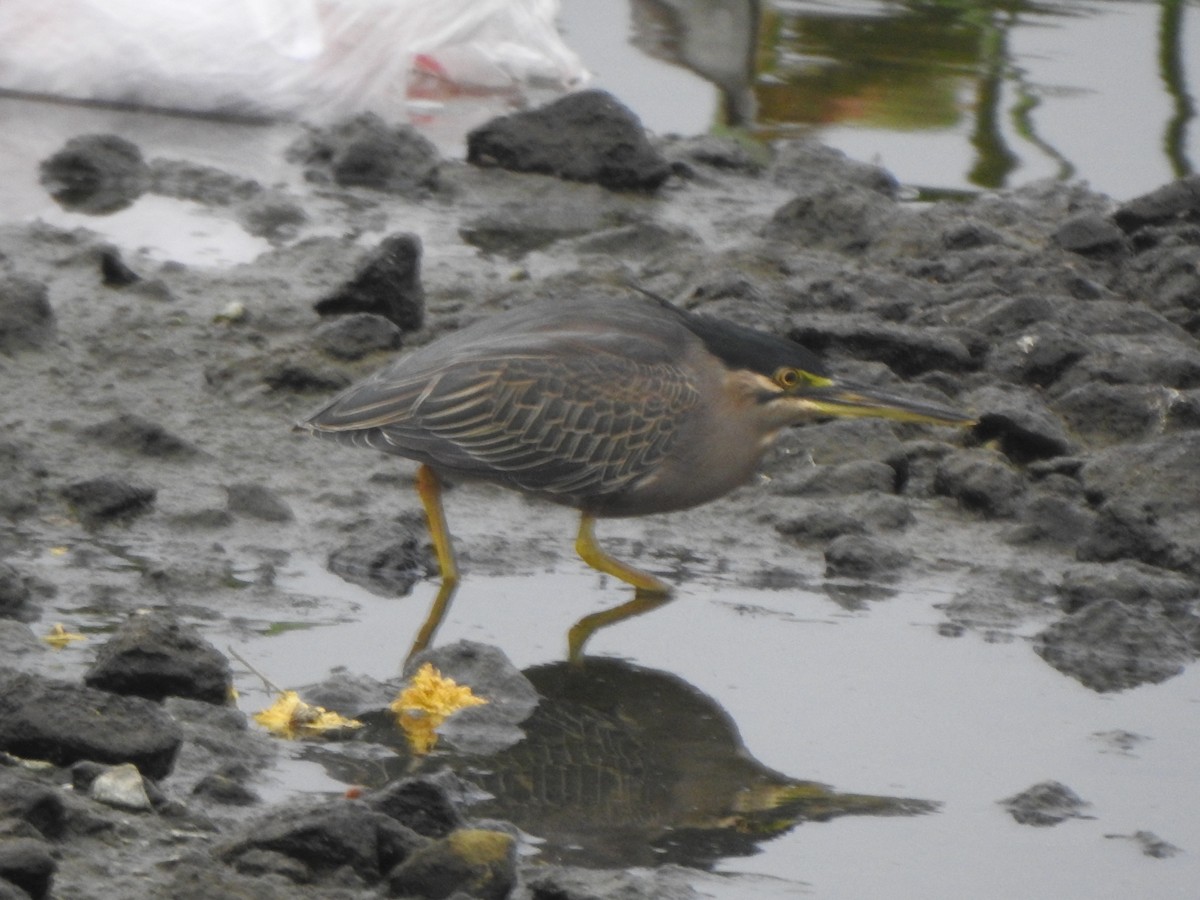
[842, 400]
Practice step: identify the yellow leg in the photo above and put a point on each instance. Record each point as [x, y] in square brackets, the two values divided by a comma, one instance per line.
[649, 592]
[429, 488]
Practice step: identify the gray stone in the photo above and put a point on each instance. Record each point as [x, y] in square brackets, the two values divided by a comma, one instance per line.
[585, 136]
[862, 556]
[63, 722]
[153, 655]
[387, 283]
[1047, 803]
[98, 501]
[1109, 646]
[258, 502]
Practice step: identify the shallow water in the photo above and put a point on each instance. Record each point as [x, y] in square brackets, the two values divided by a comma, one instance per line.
[947, 96]
[874, 701]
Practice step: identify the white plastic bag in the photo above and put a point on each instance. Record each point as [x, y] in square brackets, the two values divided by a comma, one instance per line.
[310, 59]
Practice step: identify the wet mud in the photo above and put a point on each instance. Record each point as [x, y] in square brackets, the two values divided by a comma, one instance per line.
[153, 497]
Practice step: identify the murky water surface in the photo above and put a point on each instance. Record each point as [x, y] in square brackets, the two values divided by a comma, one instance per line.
[873, 701]
[948, 96]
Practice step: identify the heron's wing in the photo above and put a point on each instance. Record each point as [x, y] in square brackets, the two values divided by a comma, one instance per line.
[568, 424]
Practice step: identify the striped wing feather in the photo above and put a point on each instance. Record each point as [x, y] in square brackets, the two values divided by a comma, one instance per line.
[588, 424]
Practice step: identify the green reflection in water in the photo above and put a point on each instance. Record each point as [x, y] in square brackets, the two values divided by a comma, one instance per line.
[938, 65]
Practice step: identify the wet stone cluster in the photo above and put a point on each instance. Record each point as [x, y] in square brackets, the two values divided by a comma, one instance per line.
[146, 463]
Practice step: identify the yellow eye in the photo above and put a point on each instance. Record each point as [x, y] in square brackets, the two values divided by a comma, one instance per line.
[788, 378]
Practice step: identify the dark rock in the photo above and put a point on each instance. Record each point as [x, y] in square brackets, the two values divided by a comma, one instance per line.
[26, 317]
[982, 482]
[1040, 356]
[1152, 845]
[114, 272]
[258, 502]
[799, 165]
[1178, 297]
[387, 283]
[1165, 480]
[62, 722]
[100, 500]
[20, 488]
[272, 215]
[1090, 234]
[357, 335]
[364, 151]
[84, 772]
[1047, 803]
[917, 464]
[134, 434]
[1005, 601]
[584, 136]
[421, 804]
[1051, 518]
[1150, 359]
[1183, 412]
[1114, 412]
[153, 655]
[326, 836]
[232, 749]
[96, 174]
[387, 560]
[1127, 530]
[1177, 200]
[906, 351]
[1019, 421]
[35, 804]
[1109, 646]
[16, 597]
[227, 788]
[970, 235]
[28, 864]
[862, 556]
[350, 694]
[474, 861]
[511, 698]
[1130, 583]
[289, 375]
[845, 219]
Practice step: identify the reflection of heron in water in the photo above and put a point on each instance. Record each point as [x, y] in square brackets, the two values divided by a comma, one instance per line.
[626, 766]
[716, 39]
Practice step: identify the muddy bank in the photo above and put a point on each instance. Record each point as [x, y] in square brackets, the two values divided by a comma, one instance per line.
[149, 465]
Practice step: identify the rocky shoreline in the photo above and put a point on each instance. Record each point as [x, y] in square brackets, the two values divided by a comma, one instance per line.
[148, 463]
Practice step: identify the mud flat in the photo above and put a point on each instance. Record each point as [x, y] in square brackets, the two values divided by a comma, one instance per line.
[153, 497]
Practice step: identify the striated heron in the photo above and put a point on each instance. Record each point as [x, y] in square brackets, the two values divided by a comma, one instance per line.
[613, 405]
